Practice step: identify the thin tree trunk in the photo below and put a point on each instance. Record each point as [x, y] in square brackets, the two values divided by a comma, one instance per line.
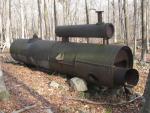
[26, 33]
[33, 24]
[40, 18]
[47, 2]
[53, 21]
[7, 38]
[148, 43]
[87, 16]
[121, 33]
[108, 9]
[22, 19]
[46, 19]
[135, 22]
[125, 22]
[1, 24]
[1, 36]
[143, 52]
[114, 21]
[55, 17]
[87, 12]
[147, 25]
[139, 20]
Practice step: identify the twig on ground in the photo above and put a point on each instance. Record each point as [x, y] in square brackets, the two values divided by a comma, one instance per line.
[24, 109]
[104, 103]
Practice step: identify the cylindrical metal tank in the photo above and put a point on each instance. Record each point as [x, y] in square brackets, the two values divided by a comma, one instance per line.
[103, 65]
[100, 30]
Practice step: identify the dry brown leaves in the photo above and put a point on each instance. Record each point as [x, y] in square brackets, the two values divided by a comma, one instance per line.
[29, 86]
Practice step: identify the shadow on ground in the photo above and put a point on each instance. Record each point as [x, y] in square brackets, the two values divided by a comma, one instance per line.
[18, 88]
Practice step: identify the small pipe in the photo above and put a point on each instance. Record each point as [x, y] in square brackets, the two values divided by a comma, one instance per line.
[100, 16]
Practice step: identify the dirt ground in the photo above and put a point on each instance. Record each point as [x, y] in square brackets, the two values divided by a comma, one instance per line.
[29, 86]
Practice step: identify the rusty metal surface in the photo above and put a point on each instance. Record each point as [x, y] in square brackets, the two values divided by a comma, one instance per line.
[100, 30]
[104, 65]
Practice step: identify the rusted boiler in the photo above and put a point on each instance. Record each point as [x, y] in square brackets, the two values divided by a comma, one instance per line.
[103, 65]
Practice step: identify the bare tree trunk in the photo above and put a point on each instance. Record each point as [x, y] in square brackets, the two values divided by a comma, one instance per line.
[50, 18]
[55, 17]
[7, 38]
[65, 5]
[121, 33]
[22, 19]
[125, 22]
[143, 52]
[1, 36]
[33, 24]
[87, 16]
[139, 20]
[46, 19]
[1, 22]
[87, 12]
[52, 27]
[26, 34]
[114, 21]
[148, 42]
[108, 9]
[40, 18]
[147, 25]
[135, 22]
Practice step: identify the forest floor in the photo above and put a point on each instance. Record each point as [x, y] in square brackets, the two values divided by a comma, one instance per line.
[29, 86]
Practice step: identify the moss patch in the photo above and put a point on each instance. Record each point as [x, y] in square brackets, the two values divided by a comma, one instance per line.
[4, 95]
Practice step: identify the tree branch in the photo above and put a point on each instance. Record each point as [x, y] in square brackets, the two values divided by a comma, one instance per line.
[24, 109]
[104, 103]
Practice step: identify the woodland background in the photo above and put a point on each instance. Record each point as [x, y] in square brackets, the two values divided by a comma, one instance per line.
[29, 86]
[23, 18]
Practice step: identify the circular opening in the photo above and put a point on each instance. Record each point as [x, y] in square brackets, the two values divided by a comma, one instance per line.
[130, 56]
[109, 30]
[132, 77]
[124, 58]
[122, 63]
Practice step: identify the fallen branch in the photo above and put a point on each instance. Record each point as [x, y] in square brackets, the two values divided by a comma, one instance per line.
[104, 103]
[24, 109]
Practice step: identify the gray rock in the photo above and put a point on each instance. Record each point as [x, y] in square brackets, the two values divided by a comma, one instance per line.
[4, 94]
[1, 111]
[78, 84]
[54, 84]
[49, 111]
